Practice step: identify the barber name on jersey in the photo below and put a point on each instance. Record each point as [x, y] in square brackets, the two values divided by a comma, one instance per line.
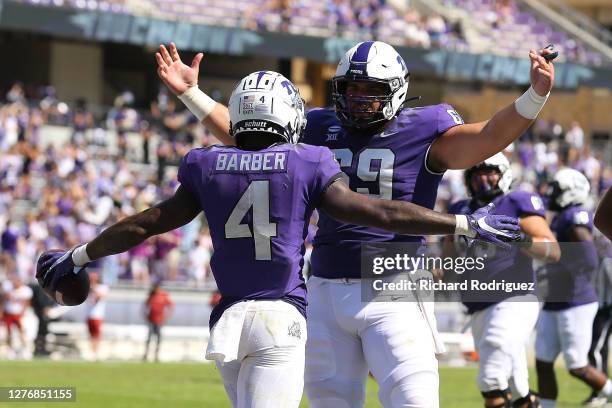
[251, 162]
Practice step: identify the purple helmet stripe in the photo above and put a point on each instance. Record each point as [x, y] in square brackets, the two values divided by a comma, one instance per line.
[359, 59]
[361, 55]
[260, 75]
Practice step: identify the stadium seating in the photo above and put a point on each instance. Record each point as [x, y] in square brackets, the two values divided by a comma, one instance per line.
[502, 27]
[505, 28]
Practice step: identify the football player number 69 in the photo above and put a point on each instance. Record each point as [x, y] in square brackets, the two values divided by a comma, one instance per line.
[364, 172]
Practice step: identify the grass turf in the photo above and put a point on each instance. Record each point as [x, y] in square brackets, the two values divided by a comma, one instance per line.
[141, 385]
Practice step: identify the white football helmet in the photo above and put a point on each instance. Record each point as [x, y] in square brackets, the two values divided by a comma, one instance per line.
[374, 62]
[268, 103]
[568, 187]
[497, 162]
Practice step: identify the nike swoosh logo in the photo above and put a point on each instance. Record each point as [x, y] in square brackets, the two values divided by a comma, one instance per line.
[384, 134]
[483, 224]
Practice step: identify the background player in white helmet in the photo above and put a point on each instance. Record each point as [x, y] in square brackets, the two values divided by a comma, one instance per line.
[258, 197]
[571, 303]
[503, 321]
[388, 152]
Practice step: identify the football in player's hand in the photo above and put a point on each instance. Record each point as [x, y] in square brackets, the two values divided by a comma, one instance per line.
[61, 279]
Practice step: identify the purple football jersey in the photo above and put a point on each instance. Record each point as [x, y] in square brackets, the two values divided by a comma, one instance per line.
[571, 279]
[258, 204]
[388, 165]
[466, 206]
[512, 265]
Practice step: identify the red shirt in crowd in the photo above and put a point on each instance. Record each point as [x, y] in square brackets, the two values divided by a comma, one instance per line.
[157, 304]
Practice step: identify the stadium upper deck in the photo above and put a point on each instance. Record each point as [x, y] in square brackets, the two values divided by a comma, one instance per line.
[501, 27]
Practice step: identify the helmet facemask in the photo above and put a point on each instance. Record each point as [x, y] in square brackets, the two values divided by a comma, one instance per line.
[358, 111]
[553, 195]
[485, 193]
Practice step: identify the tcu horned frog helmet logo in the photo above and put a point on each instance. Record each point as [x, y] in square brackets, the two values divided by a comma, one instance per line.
[372, 62]
[266, 101]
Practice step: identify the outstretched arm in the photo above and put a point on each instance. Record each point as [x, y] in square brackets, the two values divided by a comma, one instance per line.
[407, 218]
[62, 273]
[463, 146]
[182, 80]
[173, 213]
[401, 217]
[603, 215]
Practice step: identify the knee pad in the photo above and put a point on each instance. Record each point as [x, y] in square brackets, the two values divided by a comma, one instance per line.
[335, 394]
[494, 394]
[531, 399]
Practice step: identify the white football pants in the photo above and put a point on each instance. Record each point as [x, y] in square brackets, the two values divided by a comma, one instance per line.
[566, 331]
[501, 333]
[347, 336]
[262, 363]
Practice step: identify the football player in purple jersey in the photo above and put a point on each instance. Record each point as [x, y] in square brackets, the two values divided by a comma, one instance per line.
[566, 320]
[258, 197]
[603, 215]
[503, 321]
[390, 152]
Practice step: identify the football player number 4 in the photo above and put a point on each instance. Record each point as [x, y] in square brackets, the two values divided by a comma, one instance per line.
[386, 157]
[257, 197]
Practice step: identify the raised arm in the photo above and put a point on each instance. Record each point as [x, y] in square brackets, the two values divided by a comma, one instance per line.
[182, 80]
[603, 215]
[407, 218]
[465, 145]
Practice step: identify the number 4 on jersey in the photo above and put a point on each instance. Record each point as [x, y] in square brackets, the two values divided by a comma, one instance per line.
[256, 196]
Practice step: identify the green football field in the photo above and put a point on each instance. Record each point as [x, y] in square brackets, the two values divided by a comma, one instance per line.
[141, 385]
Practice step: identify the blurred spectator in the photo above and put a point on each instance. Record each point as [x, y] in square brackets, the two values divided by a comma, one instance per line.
[166, 256]
[81, 121]
[16, 93]
[200, 257]
[96, 309]
[342, 15]
[575, 136]
[8, 239]
[16, 299]
[158, 308]
[436, 28]
[147, 134]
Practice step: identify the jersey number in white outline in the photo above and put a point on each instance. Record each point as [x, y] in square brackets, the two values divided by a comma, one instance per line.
[385, 174]
[256, 196]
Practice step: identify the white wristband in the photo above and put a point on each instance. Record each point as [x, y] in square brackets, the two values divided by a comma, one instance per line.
[529, 104]
[462, 227]
[79, 255]
[200, 104]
